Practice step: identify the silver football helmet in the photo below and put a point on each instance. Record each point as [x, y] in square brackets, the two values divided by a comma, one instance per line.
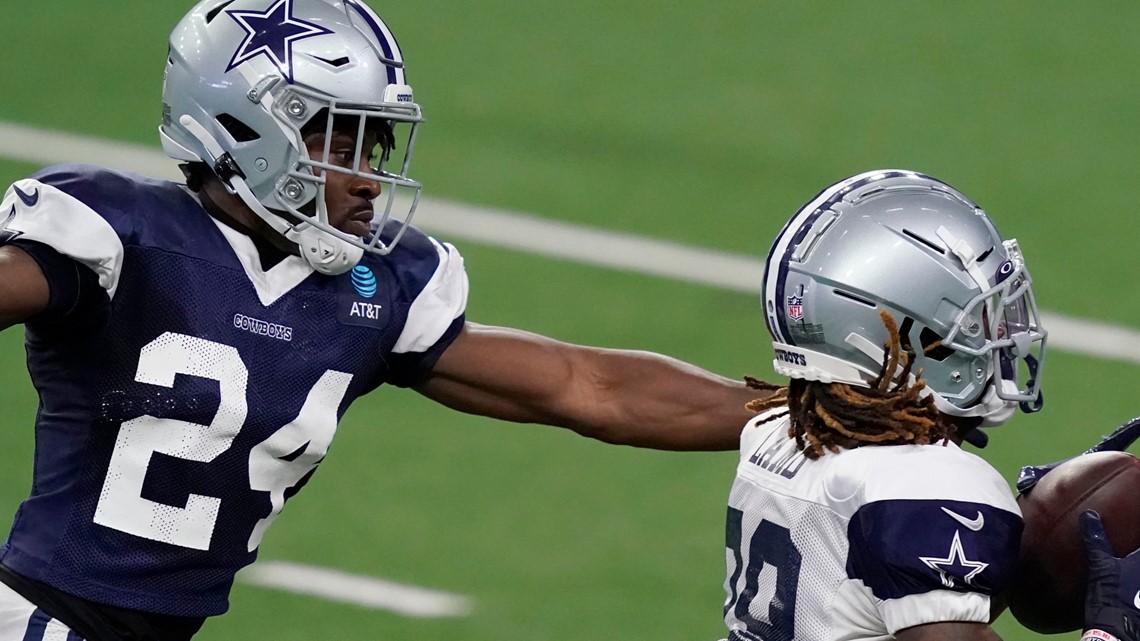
[916, 247]
[245, 76]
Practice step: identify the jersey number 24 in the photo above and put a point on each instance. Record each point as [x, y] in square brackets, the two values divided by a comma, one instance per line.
[272, 468]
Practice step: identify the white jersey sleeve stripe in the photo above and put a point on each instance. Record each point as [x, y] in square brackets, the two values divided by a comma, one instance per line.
[934, 607]
[56, 631]
[21, 619]
[442, 300]
[45, 214]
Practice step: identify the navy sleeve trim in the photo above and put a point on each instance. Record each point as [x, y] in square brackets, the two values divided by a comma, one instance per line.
[410, 369]
[72, 285]
[908, 546]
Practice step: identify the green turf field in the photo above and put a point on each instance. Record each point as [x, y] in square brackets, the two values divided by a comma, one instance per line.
[702, 123]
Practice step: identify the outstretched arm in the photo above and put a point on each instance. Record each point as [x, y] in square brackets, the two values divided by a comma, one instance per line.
[949, 631]
[617, 396]
[24, 291]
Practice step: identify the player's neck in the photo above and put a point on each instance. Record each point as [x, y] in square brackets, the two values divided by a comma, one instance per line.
[230, 210]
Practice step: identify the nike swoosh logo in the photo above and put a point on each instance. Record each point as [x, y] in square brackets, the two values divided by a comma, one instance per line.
[29, 199]
[974, 524]
[1136, 600]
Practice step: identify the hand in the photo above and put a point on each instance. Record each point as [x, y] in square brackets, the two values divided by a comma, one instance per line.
[1118, 441]
[1112, 600]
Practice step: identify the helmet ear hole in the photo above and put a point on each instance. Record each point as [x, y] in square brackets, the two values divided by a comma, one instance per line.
[932, 346]
[237, 129]
[930, 341]
[904, 333]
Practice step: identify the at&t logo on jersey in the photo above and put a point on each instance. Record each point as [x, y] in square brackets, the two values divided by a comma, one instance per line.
[365, 310]
[364, 281]
[362, 304]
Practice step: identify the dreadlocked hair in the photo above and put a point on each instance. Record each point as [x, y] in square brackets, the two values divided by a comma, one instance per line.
[828, 416]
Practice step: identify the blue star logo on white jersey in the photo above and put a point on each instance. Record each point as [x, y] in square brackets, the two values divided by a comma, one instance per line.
[955, 565]
[272, 34]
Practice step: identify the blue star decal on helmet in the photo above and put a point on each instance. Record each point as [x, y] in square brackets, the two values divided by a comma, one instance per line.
[272, 34]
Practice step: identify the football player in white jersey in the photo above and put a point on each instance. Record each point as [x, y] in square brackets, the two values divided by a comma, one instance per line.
[194, 345]
[905, 323]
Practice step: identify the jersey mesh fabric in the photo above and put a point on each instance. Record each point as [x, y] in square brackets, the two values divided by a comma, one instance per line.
[813, 529]
[106, 416]
[274, 400]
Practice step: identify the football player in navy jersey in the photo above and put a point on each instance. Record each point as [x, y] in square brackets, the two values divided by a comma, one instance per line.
[194, 345]
[905, 323]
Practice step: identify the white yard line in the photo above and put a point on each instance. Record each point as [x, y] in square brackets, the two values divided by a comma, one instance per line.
[536, 235]
[377, 594]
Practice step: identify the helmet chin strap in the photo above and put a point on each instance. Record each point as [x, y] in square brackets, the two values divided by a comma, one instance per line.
[992, 410]
[325, 253]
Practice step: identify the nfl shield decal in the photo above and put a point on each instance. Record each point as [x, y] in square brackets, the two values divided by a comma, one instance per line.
[796, 307]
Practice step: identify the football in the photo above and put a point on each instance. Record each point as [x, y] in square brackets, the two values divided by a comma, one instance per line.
[1049, 590]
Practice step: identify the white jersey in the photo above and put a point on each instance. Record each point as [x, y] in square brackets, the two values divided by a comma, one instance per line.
[860, 544]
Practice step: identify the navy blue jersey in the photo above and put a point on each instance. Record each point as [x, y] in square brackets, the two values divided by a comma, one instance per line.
[193, 392]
